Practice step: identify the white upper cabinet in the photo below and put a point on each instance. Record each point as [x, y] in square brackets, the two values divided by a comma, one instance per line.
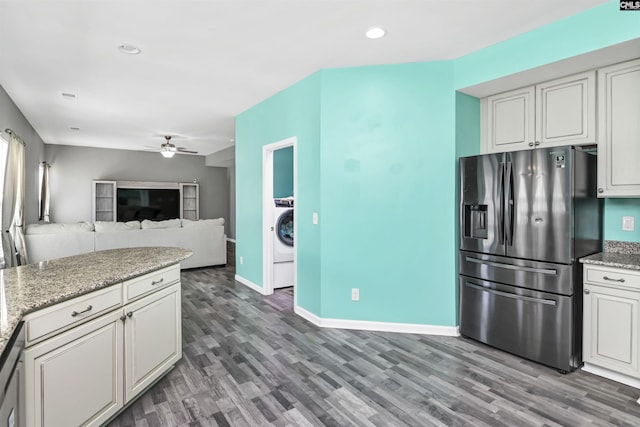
[558, 112]
[619, 130]
[566, 111]
[511, 119]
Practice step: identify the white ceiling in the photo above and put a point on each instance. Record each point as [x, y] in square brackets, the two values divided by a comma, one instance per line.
[204, 62]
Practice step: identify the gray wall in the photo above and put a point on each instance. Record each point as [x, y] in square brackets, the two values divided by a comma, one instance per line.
[74, 168]
[12, 118]
[231, 177]
[227, 158]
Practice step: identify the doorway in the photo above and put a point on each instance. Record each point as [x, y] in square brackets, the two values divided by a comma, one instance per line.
[279, 177]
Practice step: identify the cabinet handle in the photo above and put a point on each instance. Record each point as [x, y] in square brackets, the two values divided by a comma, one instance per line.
[613, 280]
[531, 144]
[157, 282]
[123, 317]
[587, 291]
[129, 314]
[77, 313]
[537, 143]
[600, 190]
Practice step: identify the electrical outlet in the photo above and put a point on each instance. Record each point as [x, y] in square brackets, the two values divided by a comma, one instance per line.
[628, 223]
[355, 294]
[241, 260]
[314, 218]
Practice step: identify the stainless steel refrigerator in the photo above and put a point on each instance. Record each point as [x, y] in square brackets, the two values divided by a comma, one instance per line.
[526, 217]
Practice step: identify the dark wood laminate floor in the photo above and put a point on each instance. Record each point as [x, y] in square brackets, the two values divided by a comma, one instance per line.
[250, 361]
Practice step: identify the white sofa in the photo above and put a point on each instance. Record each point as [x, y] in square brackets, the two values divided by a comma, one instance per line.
[205, 238]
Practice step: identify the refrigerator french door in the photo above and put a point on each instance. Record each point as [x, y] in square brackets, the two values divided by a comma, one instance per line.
[525, 219]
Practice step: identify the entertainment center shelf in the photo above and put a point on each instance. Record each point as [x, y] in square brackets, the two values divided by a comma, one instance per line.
[139, 200]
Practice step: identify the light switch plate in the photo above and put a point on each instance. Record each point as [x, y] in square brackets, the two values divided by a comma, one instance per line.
[314, 218]
[628, 223]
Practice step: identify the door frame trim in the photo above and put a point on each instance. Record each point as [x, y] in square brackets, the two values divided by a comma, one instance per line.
[267, 213]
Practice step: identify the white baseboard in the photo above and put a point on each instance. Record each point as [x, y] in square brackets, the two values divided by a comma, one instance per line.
[307, 315]
[612, 375]
[250, 284]
[365, 325]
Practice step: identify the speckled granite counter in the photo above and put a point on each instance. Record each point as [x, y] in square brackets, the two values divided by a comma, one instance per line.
[616, 254]
[630, 261]
[31, 287]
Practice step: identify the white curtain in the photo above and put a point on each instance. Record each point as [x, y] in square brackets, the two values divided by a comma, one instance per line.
[44, 192]
[13, 245]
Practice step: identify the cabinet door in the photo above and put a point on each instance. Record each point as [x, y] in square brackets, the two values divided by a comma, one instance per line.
[10, 414]
[75, 378]
[104, 201]
[510, 120]
[189, 201]
[566, 111]
[611, 328]
[619, 130]
[152, 338]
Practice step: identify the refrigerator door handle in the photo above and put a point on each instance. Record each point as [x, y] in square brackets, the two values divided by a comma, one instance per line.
[508, 204]
[512, 267]
[501, 237]
[510, 295]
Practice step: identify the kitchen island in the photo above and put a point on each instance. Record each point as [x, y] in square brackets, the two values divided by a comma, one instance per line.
[99, 328]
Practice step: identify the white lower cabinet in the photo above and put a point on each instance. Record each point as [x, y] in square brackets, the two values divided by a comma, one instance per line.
[75, 378]
[85, 375]
[611, 317]
[152, 339]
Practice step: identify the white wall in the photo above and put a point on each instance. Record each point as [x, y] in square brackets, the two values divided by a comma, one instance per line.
[74, 168]
[12, 118]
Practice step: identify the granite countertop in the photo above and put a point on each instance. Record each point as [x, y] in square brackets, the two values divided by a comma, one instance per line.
[609, 259]
[31, 287]
[616, 254]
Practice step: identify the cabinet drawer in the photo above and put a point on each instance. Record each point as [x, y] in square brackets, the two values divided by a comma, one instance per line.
[612, 277]
[151, 282]
[62, 316]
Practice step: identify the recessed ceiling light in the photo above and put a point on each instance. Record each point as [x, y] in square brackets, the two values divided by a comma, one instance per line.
[69, 95]
[375, 33]
[129, 49]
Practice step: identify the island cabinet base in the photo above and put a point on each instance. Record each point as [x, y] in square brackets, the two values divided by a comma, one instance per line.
[89, 373]
[76, 377]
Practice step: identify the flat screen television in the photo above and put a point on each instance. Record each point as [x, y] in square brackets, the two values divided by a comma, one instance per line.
[148, 203]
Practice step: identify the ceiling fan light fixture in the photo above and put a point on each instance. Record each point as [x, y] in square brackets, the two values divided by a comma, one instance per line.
[167, 149]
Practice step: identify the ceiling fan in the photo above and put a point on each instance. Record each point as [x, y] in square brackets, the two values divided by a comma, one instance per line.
[168, 149]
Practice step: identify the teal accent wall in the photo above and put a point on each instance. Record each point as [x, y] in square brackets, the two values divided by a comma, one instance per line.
[283, 172]
[467, 125]
[596, 28]
[294, 112]
[377, 154]
[614, 210]
[388, 193]
[467, 144]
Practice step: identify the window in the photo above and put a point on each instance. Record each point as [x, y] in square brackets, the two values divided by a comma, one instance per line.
[43, 192]
[3, 164]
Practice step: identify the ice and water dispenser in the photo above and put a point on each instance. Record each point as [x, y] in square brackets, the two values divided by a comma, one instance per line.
[475, 221]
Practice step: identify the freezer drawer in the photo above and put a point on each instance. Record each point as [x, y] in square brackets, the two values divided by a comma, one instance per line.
[534, 325]
[535, 275]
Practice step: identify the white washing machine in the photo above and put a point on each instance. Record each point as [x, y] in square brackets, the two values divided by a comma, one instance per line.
[283, 243]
